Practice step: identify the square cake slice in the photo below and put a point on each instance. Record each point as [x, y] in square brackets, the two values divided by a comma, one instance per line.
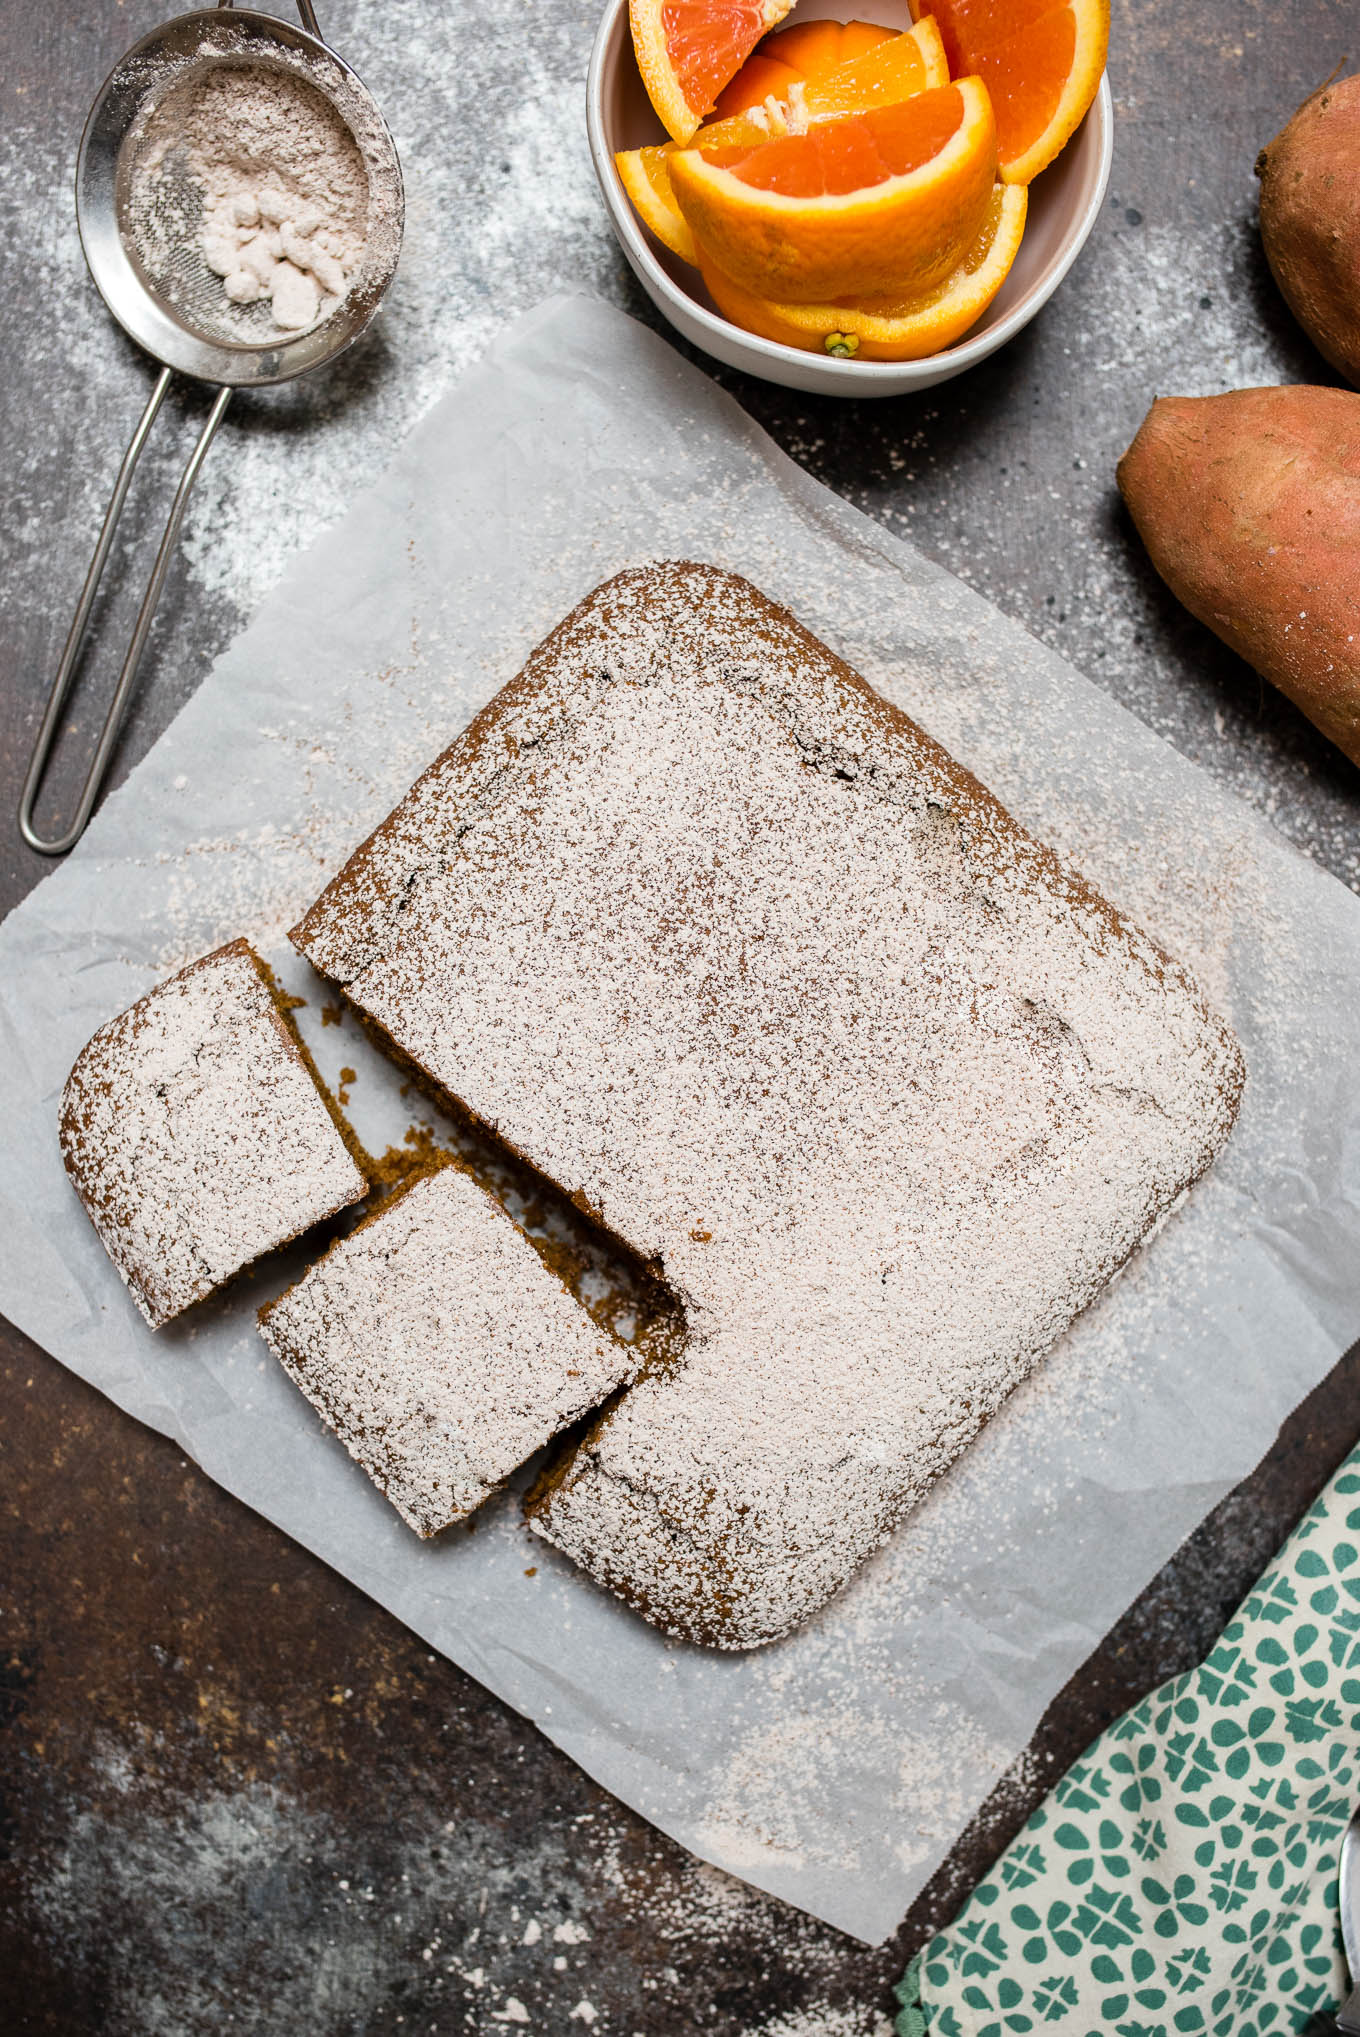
[728, 948]
[195, 1134]
[441, 1348]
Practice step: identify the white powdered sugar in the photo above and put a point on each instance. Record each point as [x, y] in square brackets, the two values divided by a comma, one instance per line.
[281, 187]
[728, 949]
[441, 1348]
[196, 1137]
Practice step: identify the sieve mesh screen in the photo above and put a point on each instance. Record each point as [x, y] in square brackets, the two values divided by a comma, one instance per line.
[243, 200]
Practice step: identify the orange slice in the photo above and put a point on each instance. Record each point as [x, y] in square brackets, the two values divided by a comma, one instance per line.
[884, 328]
[1041, 61]
[810, 49]
[646, 177]
[886, 200]
[687, 50]
[891, 69]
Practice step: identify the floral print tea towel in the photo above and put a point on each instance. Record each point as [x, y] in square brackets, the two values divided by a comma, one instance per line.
[1181, 1879]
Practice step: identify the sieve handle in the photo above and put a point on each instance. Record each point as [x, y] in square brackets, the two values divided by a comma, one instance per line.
[306, 12]
[61, 685]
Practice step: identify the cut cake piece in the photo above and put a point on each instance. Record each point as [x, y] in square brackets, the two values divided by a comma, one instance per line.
[725, 946]
[441, 1349]
[195, 1134]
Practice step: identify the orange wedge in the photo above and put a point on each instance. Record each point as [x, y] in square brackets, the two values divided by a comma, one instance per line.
[886, 328]
[888, 200]
[810, 49]
[646, 177]
[1041, 61]
[891, 69]
[688, 50]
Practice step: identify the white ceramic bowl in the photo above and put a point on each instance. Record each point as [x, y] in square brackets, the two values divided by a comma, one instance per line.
[1063, 205]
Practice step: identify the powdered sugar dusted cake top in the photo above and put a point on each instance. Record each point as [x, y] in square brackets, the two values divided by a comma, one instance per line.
[740, 958]
[441, 1349]
[196, 1136]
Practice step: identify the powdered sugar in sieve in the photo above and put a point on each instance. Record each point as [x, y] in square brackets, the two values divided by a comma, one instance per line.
[246, 200]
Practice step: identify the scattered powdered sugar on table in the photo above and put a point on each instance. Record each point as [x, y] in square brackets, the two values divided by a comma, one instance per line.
[825, 2021]
[393, 1898]
[502, 208]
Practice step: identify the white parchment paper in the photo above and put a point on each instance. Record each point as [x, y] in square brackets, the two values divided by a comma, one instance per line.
[835, 1769]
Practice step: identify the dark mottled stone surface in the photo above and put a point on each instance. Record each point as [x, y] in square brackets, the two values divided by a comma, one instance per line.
[234, 1795]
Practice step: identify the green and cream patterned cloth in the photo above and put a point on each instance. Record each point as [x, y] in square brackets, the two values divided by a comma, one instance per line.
[1182, 1876]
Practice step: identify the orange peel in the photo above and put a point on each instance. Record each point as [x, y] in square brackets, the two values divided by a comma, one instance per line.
[888, 328]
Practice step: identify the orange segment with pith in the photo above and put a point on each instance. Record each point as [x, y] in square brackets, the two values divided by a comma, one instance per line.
[1041, 60]
[688, 50]
[891, 69]
[883, 200]
[890, 328]
[807, 50]
[894, 68]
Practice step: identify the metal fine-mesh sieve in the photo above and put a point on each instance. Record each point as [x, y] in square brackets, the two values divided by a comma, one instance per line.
[141, 206]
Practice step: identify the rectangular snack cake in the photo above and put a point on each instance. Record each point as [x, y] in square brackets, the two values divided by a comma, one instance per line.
[196, 1137]
[441, 1349]
[736, 955]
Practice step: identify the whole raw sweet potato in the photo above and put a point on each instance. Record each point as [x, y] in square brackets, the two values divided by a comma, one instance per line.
[1310, 220]
[1249, 505]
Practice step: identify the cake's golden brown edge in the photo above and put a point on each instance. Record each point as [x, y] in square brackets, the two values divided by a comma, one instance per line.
[487, 745]
[71, 1117]
[557, 1260]
[72, 1120]
[711, 1622]
[283, 1007]
[490, 744]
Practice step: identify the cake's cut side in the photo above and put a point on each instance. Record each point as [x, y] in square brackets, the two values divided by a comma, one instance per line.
[193, 1133]
[441, 1348]
[624, 1296]
[286, 1004]
[731, 951]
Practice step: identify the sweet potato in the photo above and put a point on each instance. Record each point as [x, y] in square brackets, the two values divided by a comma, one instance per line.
[1249, 505]
[1310, 220]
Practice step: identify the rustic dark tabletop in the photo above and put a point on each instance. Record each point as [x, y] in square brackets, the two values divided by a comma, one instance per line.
[234, 1795]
